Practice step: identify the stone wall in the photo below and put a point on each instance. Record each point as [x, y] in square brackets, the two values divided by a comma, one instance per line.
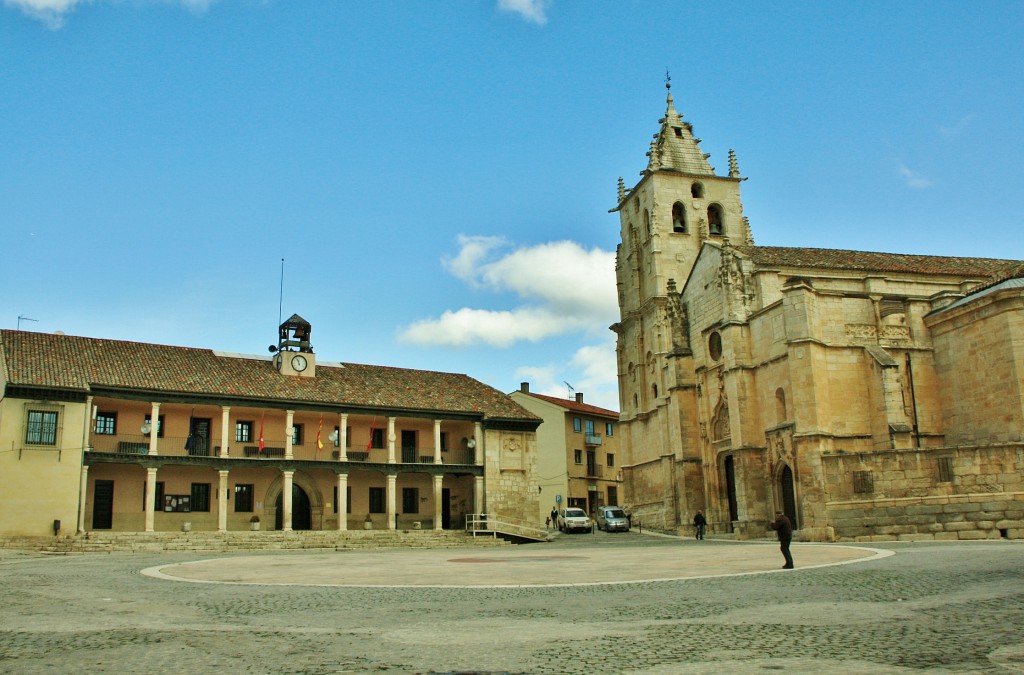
[926, 493]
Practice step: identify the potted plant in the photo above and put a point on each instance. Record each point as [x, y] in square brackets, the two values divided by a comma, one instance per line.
[368, 522]
[254, 523]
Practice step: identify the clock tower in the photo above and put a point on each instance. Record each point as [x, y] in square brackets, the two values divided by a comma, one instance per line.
[294, 354]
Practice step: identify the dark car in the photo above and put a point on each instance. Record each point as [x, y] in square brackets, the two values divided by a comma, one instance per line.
[612, 519]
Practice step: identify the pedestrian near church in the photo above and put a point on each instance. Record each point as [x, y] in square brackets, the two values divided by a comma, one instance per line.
[554, 518]
[699, 524]
[784, 529]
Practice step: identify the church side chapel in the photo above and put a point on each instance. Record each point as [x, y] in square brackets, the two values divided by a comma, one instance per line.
[865, 395]
[110, 435]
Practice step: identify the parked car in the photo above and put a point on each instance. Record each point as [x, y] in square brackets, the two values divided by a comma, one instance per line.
[574, 520]
[612, 519]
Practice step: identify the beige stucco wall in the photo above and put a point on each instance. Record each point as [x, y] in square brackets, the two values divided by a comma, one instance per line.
[40, 484]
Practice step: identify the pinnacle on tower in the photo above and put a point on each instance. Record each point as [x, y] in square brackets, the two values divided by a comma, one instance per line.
[734, 166]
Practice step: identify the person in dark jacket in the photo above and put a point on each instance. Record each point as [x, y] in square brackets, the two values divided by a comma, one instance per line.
[699, 523]
[784, 529]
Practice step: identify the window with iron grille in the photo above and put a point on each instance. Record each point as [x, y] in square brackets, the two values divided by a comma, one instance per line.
[200, 497]
[41, 428]
[376, 500]
[410, 500]
[863, 482]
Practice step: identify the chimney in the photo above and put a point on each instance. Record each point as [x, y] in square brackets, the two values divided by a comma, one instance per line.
[579, 397]
[524, 387]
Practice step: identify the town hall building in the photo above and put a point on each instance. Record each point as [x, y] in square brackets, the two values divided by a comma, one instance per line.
[865, 395]
[102, 435]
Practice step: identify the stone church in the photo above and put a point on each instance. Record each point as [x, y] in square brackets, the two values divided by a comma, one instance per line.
[866, 395]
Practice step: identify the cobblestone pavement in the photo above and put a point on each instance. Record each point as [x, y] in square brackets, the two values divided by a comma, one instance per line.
[954, 607]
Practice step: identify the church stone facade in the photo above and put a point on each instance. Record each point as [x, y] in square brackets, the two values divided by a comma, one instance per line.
[866, 395]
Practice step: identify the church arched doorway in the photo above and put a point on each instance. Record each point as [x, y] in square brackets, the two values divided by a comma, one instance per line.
[730, 490]
[301, 513]
[788, 494]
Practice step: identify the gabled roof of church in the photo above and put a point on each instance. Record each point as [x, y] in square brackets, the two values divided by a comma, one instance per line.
[64, 362]
[674, 146]
[866, 261]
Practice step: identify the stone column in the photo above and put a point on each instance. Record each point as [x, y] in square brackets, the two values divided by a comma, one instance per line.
[83, 491]
[222, 506]
[479, 506]
[289, 422]
[391, 443]
[343, 437]
[286, 499]
[154, 428]
[150, 493]
[478, 451]
[437, 441]
[390, 498]
[438, 481]
[225, 429]
[342, 501]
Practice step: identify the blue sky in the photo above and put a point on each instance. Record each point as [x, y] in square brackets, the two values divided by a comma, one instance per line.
[437, 175]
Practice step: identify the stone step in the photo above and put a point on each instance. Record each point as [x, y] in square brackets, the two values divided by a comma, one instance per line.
[110, 542]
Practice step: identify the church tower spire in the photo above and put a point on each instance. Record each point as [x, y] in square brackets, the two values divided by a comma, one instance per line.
[674, 147]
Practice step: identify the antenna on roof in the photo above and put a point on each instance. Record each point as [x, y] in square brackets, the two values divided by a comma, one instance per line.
[24, 318]
[280, 300]
[571, 389]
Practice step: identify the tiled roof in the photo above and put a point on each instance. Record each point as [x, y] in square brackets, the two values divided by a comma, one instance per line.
[80, 363]
[865, 261]
[570, 404]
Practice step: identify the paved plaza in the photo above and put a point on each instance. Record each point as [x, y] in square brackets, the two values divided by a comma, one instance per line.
[602, 603]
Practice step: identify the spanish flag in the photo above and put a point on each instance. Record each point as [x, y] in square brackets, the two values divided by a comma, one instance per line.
[319, 443]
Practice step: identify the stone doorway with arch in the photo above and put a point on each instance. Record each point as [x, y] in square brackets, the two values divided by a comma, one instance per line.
[785, 490]
[307, 503]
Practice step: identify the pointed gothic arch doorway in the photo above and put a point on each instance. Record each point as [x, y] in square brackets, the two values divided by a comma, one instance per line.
[301, 512]
[787, 493]
[730, 488]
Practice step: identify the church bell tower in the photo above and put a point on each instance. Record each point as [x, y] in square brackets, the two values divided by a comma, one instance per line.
[679, 205]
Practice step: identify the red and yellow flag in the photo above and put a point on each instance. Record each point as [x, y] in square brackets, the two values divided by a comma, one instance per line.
[261, 431]
[319, 443]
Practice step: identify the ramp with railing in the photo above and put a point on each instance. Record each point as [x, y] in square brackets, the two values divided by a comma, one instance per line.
[511, 529]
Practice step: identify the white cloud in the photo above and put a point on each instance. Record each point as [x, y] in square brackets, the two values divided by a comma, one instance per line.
[466, 327]
[914, 179]
[591, 371]
[563, 288]
[53, 12]
[530, 10]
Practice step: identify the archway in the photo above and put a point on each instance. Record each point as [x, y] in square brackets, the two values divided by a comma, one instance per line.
[301, 512]
[787, 493]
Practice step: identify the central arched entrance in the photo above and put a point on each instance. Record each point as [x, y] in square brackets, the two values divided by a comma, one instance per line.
[301, 513]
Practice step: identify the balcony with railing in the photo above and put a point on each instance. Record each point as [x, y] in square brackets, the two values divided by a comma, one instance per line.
[195, 446]
[592, 439]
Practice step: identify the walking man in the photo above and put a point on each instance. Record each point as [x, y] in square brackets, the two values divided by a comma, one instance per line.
[699, 523]
[784, 529]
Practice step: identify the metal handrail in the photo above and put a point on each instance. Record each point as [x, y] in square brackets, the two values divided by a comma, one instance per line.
[483, 523]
